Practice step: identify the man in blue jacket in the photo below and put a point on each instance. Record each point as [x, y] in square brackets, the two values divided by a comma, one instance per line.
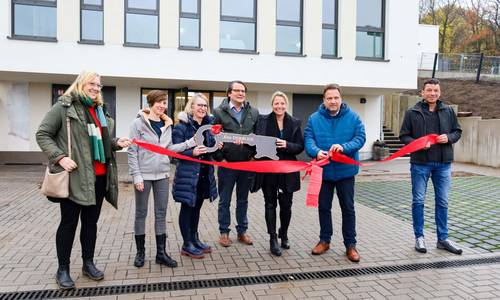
[428, 116]
[335, 127]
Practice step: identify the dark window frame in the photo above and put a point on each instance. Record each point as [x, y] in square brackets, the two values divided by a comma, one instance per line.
[141, 11]
[332, 27]
[252, 20]
[299, 24]
[91, 7]
[369, 29]
[42, 3]
[196, 16]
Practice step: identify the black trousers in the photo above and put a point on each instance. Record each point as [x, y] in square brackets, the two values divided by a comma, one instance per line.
[189, 218]
[89, 215]
[273, 195]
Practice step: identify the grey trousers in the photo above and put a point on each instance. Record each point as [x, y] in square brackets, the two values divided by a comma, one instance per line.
[160, 195]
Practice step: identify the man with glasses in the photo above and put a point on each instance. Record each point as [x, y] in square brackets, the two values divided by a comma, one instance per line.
[335, 128]
[235, 115]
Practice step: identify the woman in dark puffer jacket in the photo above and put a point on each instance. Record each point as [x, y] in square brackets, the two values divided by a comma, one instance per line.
[193, 182]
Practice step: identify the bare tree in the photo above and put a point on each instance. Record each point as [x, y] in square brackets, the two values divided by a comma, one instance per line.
[493, 21]
[428, 8]
[448, 8]
[476, 14]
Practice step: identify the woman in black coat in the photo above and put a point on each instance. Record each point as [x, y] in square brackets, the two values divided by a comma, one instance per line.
[279, 187]
[193, 182]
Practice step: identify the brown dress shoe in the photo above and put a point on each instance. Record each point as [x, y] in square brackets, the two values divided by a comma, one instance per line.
[320, 248]
[224, 240]
[245, 239]
[352, 254]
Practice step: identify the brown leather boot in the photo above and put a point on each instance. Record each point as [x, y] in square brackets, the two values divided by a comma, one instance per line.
[352, 254]
[320, 248]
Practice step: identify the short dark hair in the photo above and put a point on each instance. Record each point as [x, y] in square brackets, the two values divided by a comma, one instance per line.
[332, 86]
[156, 96]
[430, 81]
[230, 86]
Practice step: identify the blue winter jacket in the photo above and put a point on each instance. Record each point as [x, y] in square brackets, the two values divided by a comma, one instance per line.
[323, 130]
[187, 173]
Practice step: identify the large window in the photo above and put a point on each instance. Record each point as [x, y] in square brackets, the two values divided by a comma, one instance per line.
[142, 23]
[189, 24]
[34, 19]
[238, 20]
[329, 30]
[91, 21]
[370, 29]
[289, 27]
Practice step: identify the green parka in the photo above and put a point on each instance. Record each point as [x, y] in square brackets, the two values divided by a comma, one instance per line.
[52, 138]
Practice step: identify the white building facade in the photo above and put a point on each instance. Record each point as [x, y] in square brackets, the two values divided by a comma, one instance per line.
[186, 46]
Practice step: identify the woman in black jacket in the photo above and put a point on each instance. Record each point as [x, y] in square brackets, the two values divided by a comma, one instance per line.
[194, 182]
[279, 187]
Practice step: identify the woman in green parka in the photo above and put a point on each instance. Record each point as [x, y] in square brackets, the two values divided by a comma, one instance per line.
[92, 167]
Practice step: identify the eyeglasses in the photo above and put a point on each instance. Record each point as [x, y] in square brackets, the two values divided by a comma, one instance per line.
[239, 91]
[96, 85]
[201, 105]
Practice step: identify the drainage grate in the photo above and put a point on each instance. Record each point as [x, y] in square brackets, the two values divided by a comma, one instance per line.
[241, 281]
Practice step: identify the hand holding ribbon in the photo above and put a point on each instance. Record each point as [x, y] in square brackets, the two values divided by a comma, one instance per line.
[313, 168]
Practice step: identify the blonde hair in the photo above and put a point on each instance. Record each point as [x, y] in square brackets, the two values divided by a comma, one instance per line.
[77, 86]
[279, 94]
[189, 110]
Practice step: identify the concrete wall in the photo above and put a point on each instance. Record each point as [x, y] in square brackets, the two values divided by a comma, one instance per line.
[20, 107]
[480, 142]
[465, 149]
[395, 106]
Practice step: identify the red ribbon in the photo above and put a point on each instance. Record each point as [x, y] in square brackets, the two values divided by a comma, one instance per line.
[313, 168]
[414, 146]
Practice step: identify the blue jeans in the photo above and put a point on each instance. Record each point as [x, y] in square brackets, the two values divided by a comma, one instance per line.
[440, 174]
[345, 193]
[227, 180]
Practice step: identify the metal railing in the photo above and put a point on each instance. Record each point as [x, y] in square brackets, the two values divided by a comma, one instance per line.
[464, 66]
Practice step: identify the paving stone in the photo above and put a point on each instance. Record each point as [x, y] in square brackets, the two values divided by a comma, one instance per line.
[29, 222]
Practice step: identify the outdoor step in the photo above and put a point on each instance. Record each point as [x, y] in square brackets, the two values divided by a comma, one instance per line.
[391, 138]
[394, 143]
[396, 146]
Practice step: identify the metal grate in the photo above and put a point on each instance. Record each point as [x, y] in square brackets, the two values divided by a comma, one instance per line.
[241, 281]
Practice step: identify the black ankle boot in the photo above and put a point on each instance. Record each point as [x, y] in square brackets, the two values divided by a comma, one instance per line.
[285, 244]
[90, 270]
[139, 257]
[63, 278]
[162, 257]
[274, 246]
[284, 239]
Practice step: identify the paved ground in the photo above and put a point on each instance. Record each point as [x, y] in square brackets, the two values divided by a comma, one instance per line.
[28, 223]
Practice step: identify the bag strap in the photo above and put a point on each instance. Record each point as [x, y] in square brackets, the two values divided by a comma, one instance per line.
[68, 128]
